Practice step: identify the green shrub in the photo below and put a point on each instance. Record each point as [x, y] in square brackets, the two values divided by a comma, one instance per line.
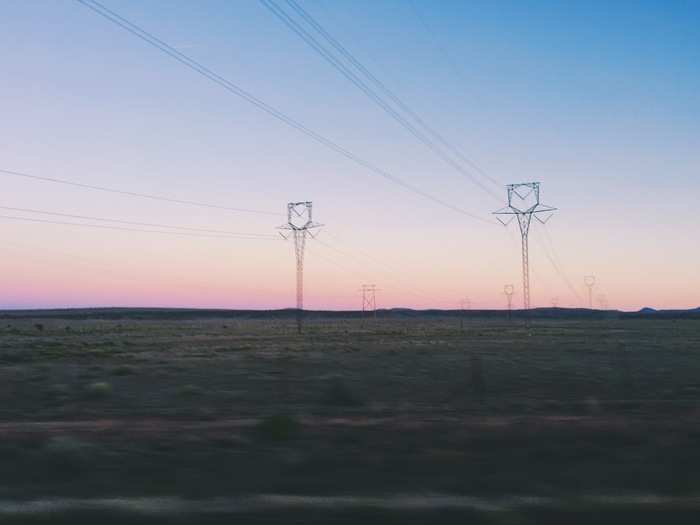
[339, 394]
[278, 427]
[190, 391]
[592, 405]
[98, 390]
[67, 454]
[124, 370]
[15, 356]
[59, 391]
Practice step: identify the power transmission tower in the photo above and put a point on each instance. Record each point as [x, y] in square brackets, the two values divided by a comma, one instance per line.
[603, 301]
[369, 299]
[555, 302]
[589, 281]
[509, 290]
[524, 204]
[464, 304]
[299, 225]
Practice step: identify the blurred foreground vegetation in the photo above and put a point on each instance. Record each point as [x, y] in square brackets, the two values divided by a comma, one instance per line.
[215, 408]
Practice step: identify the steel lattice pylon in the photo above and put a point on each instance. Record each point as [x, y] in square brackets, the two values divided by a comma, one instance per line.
[524, 204]
[300, 224]
[508, 291]
[369, 299]
[464, 305]
[589, 281]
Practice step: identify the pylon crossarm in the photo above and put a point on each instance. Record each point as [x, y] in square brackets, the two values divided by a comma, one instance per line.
[506, 211]
[312, 234]
[505, 215]
[504, 221]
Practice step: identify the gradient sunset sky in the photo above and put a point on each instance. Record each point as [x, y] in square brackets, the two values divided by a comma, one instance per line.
[599, 101]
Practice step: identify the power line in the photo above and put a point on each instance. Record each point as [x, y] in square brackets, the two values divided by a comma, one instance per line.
[367, 90]
[133, 223]
[39, 254]
[131, 193]
[393, 270]
[398, 285]
[313, 247]
[360, 67]
[120, 228]
[555, 261]
[446, 55]
[362, 256]
[248, 97]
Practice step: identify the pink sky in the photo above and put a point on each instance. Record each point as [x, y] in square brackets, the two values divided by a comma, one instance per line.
[608, 121]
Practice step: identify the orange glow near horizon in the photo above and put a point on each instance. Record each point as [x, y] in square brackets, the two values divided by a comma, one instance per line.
[614, 142]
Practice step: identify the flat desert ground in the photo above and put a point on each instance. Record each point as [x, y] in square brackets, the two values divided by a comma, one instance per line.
[157, 417]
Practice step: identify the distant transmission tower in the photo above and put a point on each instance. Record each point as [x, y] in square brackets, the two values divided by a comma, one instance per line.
[555, 302]
[589, 281]
[464, 305]
[369, 299]
[524, 203]
[509, 290]
[603, 301]
[300, 224]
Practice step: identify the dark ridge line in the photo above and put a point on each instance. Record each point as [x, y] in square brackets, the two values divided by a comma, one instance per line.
[162, 313]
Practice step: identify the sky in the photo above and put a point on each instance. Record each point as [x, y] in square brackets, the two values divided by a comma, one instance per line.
[598, 101]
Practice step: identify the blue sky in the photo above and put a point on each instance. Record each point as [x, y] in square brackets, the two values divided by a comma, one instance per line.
[600, 102]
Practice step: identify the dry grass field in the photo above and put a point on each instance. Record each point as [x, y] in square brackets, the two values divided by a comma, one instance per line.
[157, 417]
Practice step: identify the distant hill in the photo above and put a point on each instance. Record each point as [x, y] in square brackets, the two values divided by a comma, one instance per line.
[290, 313]
[651, 313]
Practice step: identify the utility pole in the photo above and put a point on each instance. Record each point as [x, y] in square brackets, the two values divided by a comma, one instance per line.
[524, 204]
[509, 290]
[589, 281]
[299, 225]
[369, 299]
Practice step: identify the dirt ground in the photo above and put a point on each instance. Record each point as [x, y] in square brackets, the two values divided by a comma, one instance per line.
[197, 420]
